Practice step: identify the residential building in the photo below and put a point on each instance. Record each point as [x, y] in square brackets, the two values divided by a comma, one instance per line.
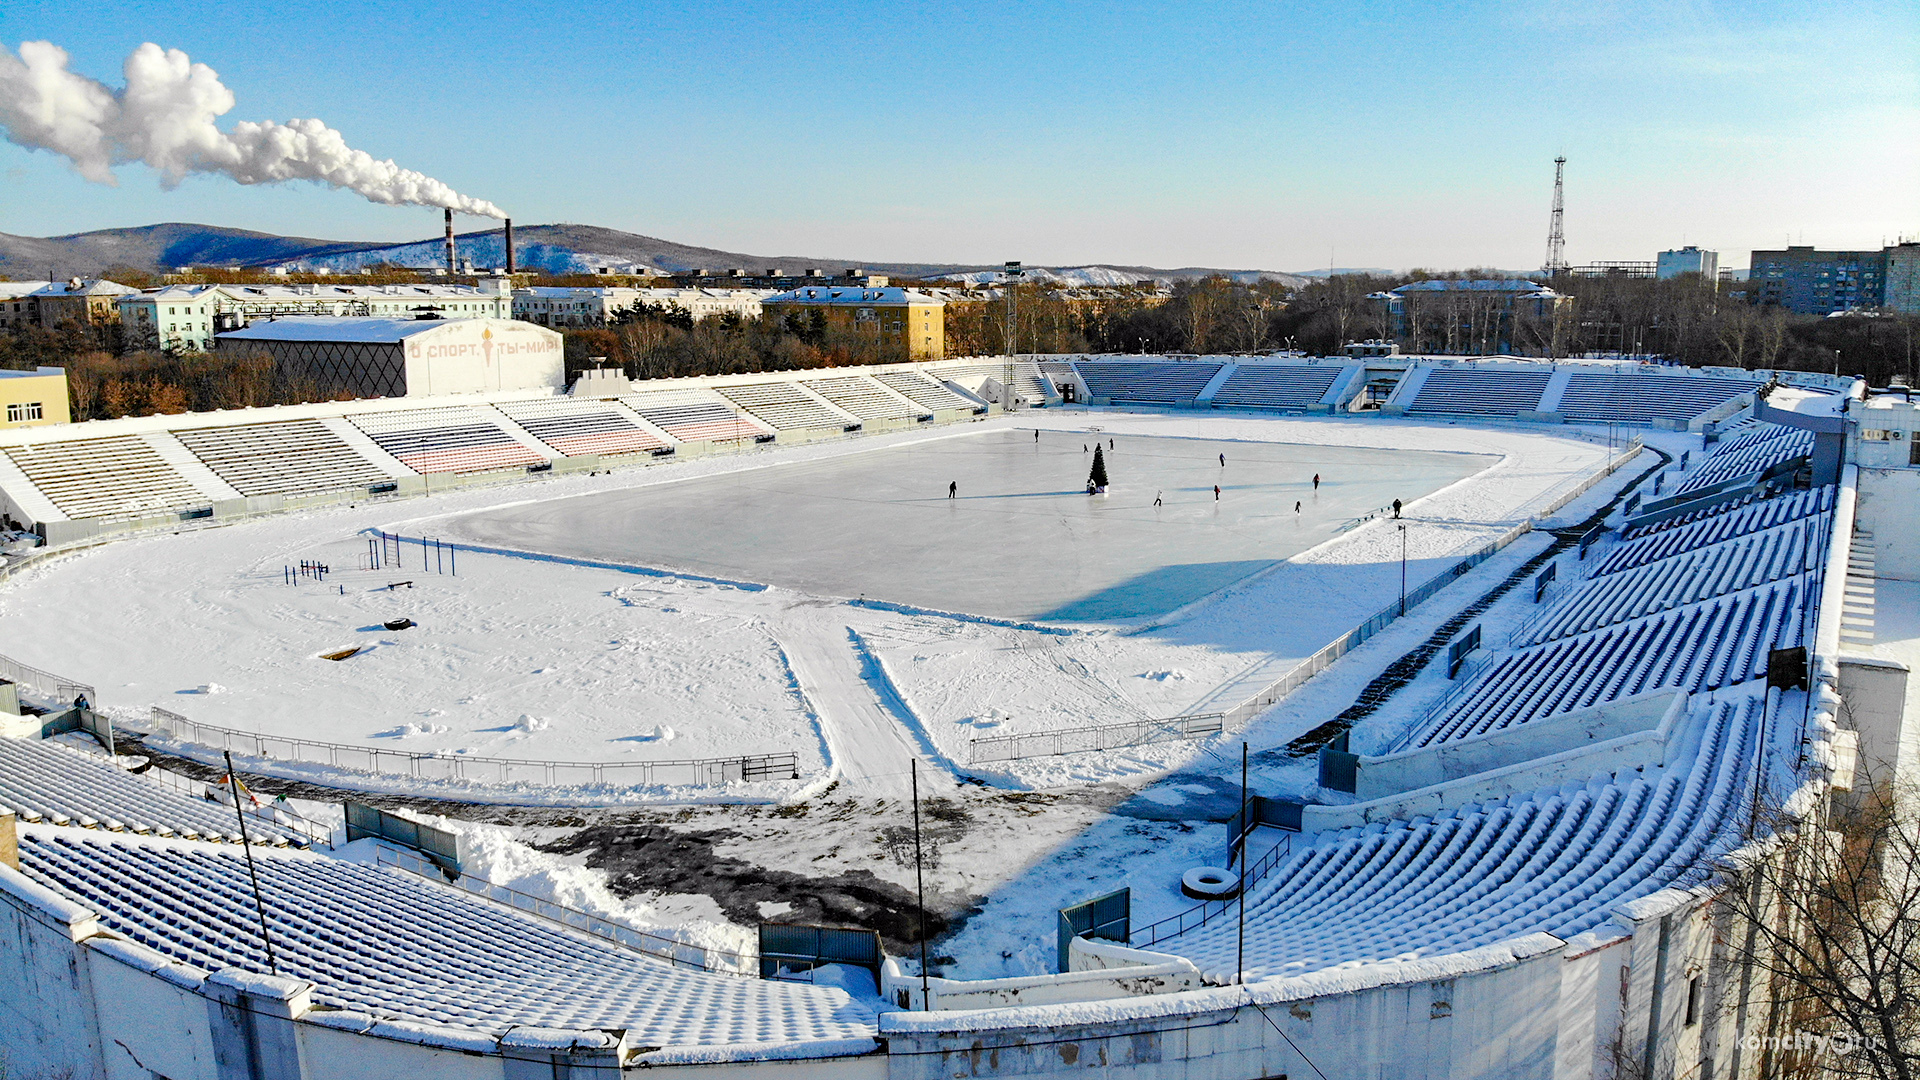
[16, 303]
[48, 304]
[911, 318]
[1687, 260]
[1811, 282]
[376, 356]
[559, 306]
[186, 317]
[33, 398]
[1466, 316]
[1903, 278]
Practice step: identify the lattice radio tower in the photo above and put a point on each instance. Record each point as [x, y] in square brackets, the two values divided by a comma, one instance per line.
[1557, 229]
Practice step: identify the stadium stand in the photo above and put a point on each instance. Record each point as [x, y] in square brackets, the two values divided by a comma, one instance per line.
[863, 398]
[782, 405]
[922, 391]
[1472, 391]
[1276, 386]
[1147, 384]
[1753, 451]
[1693, 574]
[1026, 377]
[1700, 647]
[386, 942]
[577, 428]
[1558, 861]
[1634, 397]
[118, 477]
[45, 781]
[695, 415]
[291, 457]
[1677, 535]
[455, 439]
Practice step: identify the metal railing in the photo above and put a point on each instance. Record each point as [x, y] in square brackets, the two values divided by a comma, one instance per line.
[658, 947]
[274, 814]
[1102, 737]
[430, 765]
[1206, 911]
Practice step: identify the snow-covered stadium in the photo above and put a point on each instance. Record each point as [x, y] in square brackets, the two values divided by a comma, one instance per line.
[1384, 717]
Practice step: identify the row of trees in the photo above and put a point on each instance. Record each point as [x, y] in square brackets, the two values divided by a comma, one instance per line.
[1686, 319]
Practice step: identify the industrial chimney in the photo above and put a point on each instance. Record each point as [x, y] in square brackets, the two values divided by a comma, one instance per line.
[452, 267]
[509, 236]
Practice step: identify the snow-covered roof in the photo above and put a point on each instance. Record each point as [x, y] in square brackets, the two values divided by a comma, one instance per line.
[1514, 285]
[336, 328]
[16, 290]
[387, 942]
[851, 294]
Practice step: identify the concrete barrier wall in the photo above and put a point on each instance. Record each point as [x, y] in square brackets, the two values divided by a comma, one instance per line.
[1394, 774]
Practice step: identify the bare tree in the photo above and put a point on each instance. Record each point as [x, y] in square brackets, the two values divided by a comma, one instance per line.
[1826, 918]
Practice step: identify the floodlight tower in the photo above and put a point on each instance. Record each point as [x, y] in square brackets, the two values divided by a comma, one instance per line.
[1013, 274]
[1556, 229]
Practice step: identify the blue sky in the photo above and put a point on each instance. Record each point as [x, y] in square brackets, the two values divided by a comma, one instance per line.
[1275, 135]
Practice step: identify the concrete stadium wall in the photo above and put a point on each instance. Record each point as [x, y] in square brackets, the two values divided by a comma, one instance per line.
[1392, 774]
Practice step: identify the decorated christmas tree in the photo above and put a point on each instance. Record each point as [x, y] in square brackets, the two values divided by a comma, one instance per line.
[1098, 477]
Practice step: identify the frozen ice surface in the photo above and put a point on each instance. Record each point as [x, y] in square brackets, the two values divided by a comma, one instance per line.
[1019, 539]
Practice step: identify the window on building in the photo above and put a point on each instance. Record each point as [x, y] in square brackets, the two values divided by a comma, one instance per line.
[20, 412]
[1693, 1001]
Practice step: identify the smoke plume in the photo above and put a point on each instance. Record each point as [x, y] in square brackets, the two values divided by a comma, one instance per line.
[164, 117]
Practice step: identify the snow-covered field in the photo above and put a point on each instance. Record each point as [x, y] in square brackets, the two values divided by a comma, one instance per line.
[546, 659]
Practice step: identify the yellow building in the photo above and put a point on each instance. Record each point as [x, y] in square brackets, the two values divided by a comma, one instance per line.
[909, 318]
[33, 398]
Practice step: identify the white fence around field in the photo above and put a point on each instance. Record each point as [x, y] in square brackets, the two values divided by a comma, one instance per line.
[1103, 737]
[66, 690]
[419, 765]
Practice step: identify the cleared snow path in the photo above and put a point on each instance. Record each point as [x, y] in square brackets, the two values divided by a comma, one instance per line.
[871, 750]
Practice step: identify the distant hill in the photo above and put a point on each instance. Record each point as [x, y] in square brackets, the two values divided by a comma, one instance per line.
[555, 248]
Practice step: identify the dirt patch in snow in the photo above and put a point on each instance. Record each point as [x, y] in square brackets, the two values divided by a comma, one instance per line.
[643, 858]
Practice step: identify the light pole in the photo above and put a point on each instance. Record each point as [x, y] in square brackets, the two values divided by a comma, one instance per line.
[1013, 274]
[1403, 571]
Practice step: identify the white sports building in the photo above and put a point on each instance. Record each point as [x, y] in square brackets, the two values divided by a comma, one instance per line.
[1514, 879]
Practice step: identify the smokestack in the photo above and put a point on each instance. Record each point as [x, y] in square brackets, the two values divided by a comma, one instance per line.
[451, 267]
[509, 245]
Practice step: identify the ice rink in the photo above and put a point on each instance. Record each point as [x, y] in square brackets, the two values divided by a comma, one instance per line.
[1020, 538]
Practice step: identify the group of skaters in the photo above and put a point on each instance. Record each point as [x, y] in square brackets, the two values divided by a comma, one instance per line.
[953, 486]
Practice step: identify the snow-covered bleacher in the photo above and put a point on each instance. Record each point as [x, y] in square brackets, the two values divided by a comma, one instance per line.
[454, 439]
[385, 942]
[1692, 574]
[922, 391]
[1686, 532]
[45, 781]
[578, 428]
[972, 376]
[1636, 397]
[117, 477]
[1477, 391]
[1762, 447]
[782, 404]
[863, 398]
[1556, 861]
[1126, 383]
[1700, 647]
[695, 415]
[1277, 386]
[291, 457]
